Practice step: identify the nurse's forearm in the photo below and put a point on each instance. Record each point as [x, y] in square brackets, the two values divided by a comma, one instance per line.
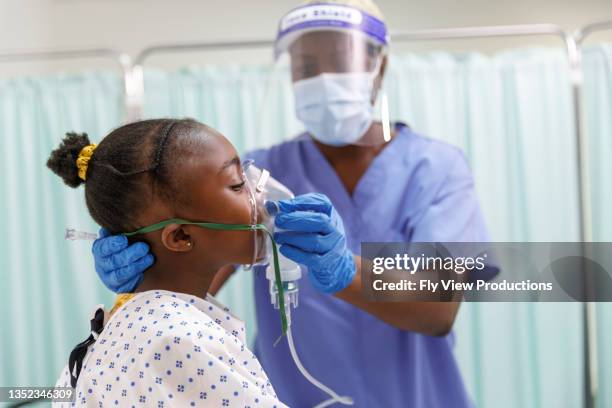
[431, 318]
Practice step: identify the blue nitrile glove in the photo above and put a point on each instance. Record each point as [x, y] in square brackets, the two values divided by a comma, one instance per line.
[121, 267]
[314, 236]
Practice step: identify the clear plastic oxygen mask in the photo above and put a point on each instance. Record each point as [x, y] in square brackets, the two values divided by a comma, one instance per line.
[268, 191]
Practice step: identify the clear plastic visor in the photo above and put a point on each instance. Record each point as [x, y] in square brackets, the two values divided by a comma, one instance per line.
[335, 79]
[316, 52]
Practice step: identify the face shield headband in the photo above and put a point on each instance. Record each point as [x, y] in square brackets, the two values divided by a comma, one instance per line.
[325, 17]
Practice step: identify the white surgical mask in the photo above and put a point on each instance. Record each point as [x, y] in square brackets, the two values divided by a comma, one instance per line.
[336, 108]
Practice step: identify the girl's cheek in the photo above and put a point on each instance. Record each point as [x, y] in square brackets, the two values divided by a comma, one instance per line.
[248, 206]
[239, 208]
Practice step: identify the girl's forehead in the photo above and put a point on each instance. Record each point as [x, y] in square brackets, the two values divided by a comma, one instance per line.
[221, 150]
[215, 156]
[210, 148]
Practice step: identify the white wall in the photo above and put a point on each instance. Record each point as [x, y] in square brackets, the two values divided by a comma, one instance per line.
[133, 24]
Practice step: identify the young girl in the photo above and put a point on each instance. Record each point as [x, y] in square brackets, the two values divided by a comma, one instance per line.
[164, 345]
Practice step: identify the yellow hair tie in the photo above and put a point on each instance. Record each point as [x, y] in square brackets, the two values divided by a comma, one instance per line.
[83, 160]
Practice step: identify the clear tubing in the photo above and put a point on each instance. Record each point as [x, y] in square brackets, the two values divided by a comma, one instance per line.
[74, 235]
[335, 398]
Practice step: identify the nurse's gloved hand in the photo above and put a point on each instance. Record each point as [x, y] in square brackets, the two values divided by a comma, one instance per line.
[121, 267]
[314, 236]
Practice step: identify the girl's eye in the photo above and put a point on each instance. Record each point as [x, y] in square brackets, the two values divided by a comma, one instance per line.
[238, 187]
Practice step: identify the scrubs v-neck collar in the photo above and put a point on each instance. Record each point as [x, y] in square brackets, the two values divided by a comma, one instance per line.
[370, 183]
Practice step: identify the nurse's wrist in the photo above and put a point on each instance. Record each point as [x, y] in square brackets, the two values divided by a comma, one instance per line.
[347, 274]
[333, 281]
[352, 288]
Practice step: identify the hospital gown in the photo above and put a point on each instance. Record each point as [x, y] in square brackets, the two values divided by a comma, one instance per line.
[167, 349]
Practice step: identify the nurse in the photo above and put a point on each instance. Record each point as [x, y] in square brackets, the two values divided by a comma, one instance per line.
[385, 183]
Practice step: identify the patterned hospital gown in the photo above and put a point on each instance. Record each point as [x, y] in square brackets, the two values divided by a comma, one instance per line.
[167, 349]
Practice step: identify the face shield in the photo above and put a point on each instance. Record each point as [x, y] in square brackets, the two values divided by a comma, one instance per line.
[332, 58]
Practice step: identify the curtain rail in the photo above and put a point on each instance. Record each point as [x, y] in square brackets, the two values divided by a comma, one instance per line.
[122, 59]
[416, 35]
[199, 46]
[59, 54]
[582, 33]
[479, 32]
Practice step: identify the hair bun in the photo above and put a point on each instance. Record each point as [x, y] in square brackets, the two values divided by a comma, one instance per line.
[63, 159]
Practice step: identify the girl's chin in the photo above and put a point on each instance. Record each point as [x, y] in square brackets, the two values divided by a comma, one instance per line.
[258, 260]
[261, 252]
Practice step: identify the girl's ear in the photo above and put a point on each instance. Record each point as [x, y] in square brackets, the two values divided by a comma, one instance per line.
[175, 238]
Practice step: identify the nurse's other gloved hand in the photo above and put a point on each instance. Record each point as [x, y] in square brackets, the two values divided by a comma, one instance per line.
[121, 267]
[314, 236]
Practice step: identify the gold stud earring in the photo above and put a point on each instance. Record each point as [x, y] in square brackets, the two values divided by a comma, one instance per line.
[189, 243]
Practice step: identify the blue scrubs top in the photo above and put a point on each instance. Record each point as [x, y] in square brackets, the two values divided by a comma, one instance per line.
[416, 189]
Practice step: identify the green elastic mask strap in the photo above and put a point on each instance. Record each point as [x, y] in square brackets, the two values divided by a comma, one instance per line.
[231, 227]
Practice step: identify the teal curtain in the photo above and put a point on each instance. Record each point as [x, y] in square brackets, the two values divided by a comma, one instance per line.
[48, 285]
[511, 113]
[598, 112]
[512, 116]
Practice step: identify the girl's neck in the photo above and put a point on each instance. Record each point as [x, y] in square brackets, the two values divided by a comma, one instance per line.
[175, 277]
